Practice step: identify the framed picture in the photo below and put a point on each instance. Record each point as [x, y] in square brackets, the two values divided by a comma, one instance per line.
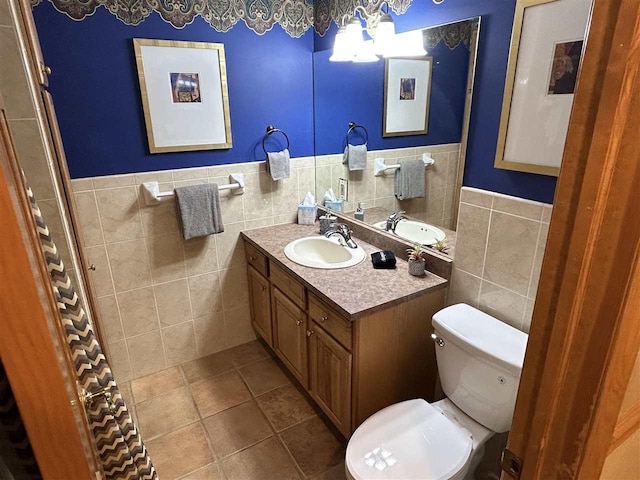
[184, 95]
[407, 87]
[544, 62]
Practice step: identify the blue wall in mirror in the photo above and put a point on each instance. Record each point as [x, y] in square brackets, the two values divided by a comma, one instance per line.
[493, 55]
[345, 91]
[97, 94]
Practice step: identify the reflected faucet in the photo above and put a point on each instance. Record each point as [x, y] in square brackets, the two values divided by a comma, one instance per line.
[393, 219]
[344, 231]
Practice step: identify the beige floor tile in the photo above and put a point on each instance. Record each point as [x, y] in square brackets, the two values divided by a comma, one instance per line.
[166, 412]
[314, 446]
[334, 473]
[263, 376]
[206, 367]
[285, 407]
[216, 394]
[156, 384]
[210, 472]
[248, 352]
[266, 461]
[180, 452]
[236, 429]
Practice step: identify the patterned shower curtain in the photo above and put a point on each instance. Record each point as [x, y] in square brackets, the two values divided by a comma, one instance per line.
[118, 443]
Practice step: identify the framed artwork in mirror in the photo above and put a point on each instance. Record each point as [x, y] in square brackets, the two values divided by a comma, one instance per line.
[544, 62]
[407, 87]
[184, 95]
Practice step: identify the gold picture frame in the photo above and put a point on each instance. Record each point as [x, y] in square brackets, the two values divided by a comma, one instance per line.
[184, 93]
[406, 80]
[532, 130]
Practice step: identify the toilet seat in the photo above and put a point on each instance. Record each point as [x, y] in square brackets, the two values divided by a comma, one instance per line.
[408, 440]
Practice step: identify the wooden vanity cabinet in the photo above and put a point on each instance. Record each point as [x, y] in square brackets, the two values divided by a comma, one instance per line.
[290, 334]
[260, 304]
[351, 369]
[330, 367]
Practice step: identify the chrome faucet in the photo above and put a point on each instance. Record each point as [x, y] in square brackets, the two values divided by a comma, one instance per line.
[393, 219]
[344, 231]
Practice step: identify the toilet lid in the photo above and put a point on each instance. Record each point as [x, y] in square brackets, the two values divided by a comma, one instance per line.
[408, 440]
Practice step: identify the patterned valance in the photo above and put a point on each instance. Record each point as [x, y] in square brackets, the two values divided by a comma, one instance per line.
[338, 10]
[452, 34]
[294, 16]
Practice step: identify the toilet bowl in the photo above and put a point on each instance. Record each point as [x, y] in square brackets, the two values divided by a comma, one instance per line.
[479, 361]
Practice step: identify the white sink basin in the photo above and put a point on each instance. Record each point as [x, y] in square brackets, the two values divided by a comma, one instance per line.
[417, 232]
[321, 252]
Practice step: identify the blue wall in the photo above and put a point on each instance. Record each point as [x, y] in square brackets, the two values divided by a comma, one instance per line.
[493, 54]
[345, 91]
[97, 95]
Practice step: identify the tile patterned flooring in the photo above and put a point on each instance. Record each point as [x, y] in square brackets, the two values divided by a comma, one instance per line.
[234, 415]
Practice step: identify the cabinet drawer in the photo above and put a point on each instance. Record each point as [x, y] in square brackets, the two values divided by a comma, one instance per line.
[288, 285]
[256, 259]
[336, 325]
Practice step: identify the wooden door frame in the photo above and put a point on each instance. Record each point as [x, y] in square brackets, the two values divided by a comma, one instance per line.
[585, 330]
[32, 345]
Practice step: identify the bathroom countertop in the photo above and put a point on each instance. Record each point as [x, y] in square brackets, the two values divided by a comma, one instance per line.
[354, 291]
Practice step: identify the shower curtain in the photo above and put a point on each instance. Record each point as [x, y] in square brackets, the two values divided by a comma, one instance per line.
[118, 443]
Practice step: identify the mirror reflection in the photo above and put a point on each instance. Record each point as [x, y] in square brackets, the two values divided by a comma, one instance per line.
[354, 104]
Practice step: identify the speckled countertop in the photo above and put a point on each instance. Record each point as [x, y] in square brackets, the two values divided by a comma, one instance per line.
[354, 291]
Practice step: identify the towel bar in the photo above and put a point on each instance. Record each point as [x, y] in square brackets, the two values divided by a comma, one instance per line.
[379, 167]
[152, 193]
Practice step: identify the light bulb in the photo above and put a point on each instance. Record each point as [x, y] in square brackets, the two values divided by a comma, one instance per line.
[385, 32]
[341, 50]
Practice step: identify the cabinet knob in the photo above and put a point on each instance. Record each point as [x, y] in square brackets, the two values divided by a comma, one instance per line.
[46, 70]
[262, 287]
[298, 322]
[310, 332]
[252, 258]
[92, 267]
[323, 319]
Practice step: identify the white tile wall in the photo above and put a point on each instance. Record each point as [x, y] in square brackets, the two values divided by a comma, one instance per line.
[164, 300]
[499, 249]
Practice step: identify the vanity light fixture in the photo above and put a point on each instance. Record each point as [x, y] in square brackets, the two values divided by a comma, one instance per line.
[350, 46]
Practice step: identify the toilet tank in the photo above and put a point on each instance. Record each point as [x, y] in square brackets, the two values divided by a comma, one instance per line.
[479, 361]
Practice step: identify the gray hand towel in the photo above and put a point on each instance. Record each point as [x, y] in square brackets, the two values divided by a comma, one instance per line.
[409, 180]
[199, 210]
[355, 156]
[278, 164]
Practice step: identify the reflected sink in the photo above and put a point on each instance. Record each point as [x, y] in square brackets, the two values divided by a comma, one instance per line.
[417, 232]
[321, 252]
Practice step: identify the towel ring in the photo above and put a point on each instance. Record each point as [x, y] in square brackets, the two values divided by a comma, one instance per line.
[271, 129]
[352, 127]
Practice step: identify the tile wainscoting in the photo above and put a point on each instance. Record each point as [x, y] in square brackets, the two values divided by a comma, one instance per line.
[499, 249]
[438, 205]
[163, 300]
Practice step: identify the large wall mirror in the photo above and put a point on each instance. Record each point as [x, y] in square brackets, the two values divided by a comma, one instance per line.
[346, 92]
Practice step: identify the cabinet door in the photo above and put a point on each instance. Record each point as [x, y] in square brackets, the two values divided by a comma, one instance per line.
[330, 377]
[260, 304]
[290, 335]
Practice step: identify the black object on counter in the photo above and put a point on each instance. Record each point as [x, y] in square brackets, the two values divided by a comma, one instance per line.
[385, 259]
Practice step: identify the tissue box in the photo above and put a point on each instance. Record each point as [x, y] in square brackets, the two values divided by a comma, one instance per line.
[307, 214]
[335, 206]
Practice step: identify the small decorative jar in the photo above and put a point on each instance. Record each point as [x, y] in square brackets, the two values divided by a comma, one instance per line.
[416, 267]
[416, 260]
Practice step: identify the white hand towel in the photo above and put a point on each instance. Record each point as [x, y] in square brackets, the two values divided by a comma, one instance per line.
[278, 164]
[355, 156]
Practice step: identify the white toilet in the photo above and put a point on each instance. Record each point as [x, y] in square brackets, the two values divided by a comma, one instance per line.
[479, 360]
